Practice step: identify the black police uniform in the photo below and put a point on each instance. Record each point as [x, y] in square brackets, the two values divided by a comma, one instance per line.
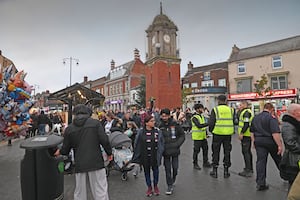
[263, 126]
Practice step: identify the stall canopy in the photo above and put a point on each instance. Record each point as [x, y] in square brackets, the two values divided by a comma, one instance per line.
[78, 94]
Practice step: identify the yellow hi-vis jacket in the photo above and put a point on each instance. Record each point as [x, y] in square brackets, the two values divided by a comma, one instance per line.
[242, 121]
[224, 120]
[198, 133]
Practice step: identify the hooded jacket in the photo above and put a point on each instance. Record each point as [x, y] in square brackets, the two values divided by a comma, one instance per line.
[85, 135]
[172, 145]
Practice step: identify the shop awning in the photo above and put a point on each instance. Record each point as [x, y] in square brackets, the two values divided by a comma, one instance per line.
[288, 93]
[79, 94]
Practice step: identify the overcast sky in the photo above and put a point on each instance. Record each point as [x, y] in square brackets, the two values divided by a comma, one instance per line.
[37, 34]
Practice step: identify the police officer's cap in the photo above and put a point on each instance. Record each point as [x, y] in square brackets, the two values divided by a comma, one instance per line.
[198, 105]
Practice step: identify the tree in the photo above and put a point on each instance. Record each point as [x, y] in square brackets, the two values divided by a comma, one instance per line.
[260, 86]
[141, 93]
[184, 93]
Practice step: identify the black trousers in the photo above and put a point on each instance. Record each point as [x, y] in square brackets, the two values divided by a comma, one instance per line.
[247, 154]
[219, 140]
[263, 149]
[171, 168]
[198, 144]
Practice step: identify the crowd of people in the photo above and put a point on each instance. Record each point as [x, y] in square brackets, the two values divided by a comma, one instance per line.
[157, 136]
[42, 123]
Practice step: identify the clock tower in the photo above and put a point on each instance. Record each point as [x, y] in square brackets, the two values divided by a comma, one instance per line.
[163, 89]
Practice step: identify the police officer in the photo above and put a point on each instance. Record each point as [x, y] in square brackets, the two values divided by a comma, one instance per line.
[199, 137]
[221, 124]
[245, 118]
[267, 139]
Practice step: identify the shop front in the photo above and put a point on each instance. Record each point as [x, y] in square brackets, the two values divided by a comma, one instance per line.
[281, 99]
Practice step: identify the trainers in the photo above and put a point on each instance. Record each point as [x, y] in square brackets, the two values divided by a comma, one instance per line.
[262, 187]
[149, 192]
[156, 190]
[169, 190]
[207, 165]
[246, 173]
[196, 166]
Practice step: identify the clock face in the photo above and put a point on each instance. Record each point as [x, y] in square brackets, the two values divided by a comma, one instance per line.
[167, 38]
[153, 40]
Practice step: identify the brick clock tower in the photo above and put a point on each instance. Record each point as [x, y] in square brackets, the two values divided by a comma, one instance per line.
[163, 88]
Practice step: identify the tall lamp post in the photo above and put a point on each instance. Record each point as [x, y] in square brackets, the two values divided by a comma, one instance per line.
[70, 60]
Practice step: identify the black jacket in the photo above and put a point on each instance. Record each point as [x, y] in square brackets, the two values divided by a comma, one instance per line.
[172, 145]
[291, 137]
[43, 119]
[85, 135]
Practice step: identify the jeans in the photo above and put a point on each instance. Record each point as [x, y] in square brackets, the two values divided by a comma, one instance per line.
[171, 168]
[42, 130]
[148, 175]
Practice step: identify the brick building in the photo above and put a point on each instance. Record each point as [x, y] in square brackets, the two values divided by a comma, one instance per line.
[163, 88]
[204, 83]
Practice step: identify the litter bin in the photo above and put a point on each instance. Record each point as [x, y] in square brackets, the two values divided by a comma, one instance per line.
[42, 175]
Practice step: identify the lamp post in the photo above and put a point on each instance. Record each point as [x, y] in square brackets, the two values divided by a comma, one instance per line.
[70, 105]
[70, 60]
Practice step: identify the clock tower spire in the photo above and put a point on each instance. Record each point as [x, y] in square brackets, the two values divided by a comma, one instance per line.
[163, 63]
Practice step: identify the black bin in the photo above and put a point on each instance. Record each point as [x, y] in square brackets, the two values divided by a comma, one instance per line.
[42, 175]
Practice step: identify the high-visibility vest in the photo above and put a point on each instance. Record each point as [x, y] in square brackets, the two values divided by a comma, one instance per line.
[241, 122]
[224, 120]
[198, 133]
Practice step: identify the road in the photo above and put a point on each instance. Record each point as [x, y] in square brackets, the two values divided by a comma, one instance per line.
[191, 184]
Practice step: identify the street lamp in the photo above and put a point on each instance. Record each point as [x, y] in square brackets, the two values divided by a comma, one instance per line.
[70, 60]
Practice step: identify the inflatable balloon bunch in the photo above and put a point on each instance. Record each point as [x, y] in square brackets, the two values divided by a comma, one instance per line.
[15, 102]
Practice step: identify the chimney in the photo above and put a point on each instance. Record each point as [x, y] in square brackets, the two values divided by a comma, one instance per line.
[235, 49]
[112, 65]
[136, 54]
[85, 79]
[190, 66]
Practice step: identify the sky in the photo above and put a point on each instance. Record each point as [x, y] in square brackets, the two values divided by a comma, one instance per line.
[38, 34]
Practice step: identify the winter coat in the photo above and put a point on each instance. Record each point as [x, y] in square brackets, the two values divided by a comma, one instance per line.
[291, 137]
[85, 135]
[172, 145]
[140, 151]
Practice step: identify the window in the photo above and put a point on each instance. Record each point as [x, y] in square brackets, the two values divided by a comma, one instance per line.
[276, 62]
[279, 82]
[186, 85]
[206, 76]
[209, 83]
[194, 85]
[222, 82]
[110, 90]
[244, 85]
[117, 89]
[241, 68]
[126, 86]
